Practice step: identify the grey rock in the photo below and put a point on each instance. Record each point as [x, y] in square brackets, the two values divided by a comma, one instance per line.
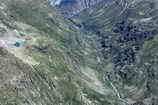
[72, 7]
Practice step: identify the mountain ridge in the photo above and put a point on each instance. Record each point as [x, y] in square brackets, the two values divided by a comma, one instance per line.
[70, 8]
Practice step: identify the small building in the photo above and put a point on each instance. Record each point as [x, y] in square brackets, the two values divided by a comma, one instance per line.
[17, 44]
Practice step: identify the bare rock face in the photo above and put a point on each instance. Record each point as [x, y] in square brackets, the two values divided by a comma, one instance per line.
[73, 7]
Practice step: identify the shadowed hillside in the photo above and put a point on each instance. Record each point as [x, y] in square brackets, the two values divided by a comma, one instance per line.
[127, 33]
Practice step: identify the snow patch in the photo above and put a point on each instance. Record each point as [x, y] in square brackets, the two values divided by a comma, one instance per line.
[55, 2]
[58, 2]
[146, 19]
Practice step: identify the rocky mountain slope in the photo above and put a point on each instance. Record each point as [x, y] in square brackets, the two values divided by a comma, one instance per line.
[70, 8]
[107, 55]
[47, 60]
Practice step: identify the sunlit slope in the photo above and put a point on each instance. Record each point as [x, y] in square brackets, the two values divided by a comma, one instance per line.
[47, 60]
